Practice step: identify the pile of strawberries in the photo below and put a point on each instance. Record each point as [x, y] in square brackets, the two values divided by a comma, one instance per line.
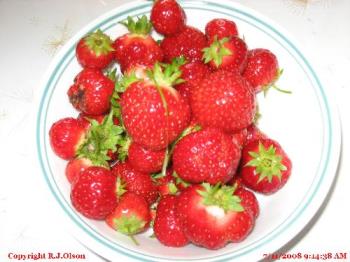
[171, 143]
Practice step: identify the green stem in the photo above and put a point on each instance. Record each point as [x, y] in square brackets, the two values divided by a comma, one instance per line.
[134, 240]
[281, 90]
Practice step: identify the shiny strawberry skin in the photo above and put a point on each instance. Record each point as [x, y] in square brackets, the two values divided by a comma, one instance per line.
[189, 43]
[210, 231]
[130, 204]
[223, 100]
[145, 118]
[137, 182]
[168, 17]
[66, 135]
[254, 133]
[75, 166]
[248, 201]
[145, 160]
[91, 92]
[221, 28]
[250, 176]
[208, 155]
[261, 69]
[93, 194]
[167, 226]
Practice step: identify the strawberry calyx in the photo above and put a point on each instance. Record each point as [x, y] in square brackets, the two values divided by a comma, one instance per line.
[179, 181]
[273, 85]
[125, 81]
[266, 162]
[221, 196]
[99, 43]
[216, 51]
[100, 139]
[129, 225]
[120, 187]
[141, 27]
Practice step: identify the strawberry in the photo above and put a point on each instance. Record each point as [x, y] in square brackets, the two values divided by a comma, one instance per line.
[226, 53]
[131, 180]
[254, 133]
[223, 100]
[167, 17]
[131, 216]
[208, 155]
[265, 167]
[189, 43]
[137, 46]
[213, 216]
[66, 136]
[145, 160]
[166, 185]
[93, 194]
[95, 50]
[75, 166]
[192, 73]
[248, 201]
[240, 137]
[167, 226]
[91, 92]
[153, 112]
[220, 28]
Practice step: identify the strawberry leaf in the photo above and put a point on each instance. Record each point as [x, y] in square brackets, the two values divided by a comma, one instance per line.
[216, 51]
[99, 43]
[140, 27]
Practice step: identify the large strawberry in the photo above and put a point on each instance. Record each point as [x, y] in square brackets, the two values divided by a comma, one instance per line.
[153, 112]
[189, 43]
[91, 92]
[223, 100]
[208, 155]
[95, 50]
[137, 46]
[94, 193]
[66, 136]
[213, 216]
[167, 17]
[265, 167]
[131, 180]
[229, 53]
[220, 27]
[131, 216]
[167, 226]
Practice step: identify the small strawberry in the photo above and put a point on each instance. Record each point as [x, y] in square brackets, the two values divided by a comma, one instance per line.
[91, 92]
[254, 133]
[66, 136]
[167, 226]
[145, 160]
[135, 181]
[188, 43]
[167, 17]
[75, 166]
[226, 53]
[262, 70]
[137, 46]
[240, 137]
[208, 155]
[131, 216]
[93, 194]
[213, 216]
[265, 167]
[153, 112]
[223, 100]
[248, 201]
[166, 185]
[220, 28]
[95, 50]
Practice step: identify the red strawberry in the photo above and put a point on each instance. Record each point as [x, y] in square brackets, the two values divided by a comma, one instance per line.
[167, 17]
[66, 137]
[153, 112]
[223, 100]
[212, 216]
[166, 185]
[95, 50]
[226, 53]
[91, 92]
[220, 28]
[192, 73]
[240, 137]
[167, 226]
[131, 216]
[75, 166]
[145, 160]
[189, 43]
[93, 194]
[265, 167]
[137, 46]
[254, 133]
[248, 201]
[135, 181]
[208, 155]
